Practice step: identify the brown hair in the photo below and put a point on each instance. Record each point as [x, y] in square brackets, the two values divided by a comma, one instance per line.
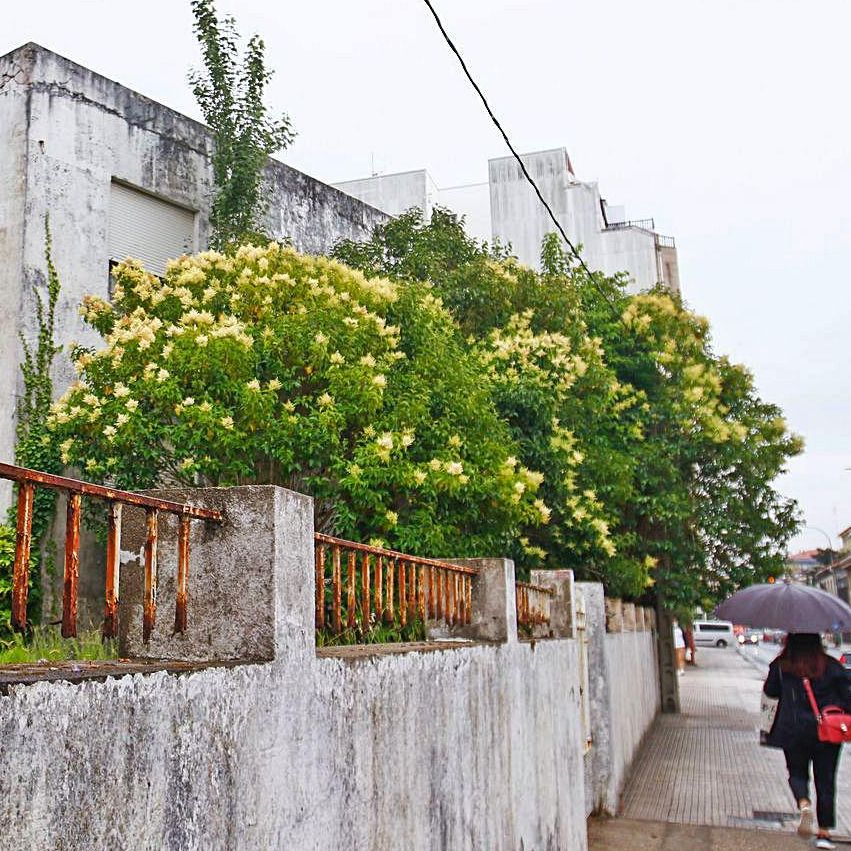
[803, 655]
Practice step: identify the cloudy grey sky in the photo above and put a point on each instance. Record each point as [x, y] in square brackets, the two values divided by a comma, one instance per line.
[727, 121]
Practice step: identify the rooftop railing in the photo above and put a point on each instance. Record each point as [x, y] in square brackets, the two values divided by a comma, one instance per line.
[665, 241]
[358, 586]
[27, 481]
[644, 224]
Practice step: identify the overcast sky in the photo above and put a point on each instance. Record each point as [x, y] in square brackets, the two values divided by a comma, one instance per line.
[726, 120]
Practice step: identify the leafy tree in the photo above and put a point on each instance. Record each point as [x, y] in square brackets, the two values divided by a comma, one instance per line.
[230, 95]
[260, 365]
[827, 557]
[658, 457]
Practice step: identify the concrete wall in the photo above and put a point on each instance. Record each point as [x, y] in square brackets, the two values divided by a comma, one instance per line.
[65, 134]
[476, 747]
[624, 693]
[633, 250]
[393, 193]
[633, 681]
[13, 193]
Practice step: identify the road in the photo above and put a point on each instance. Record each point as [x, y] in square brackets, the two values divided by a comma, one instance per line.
[760, 655]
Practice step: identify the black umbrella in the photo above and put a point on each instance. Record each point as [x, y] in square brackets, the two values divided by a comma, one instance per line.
[788, 606]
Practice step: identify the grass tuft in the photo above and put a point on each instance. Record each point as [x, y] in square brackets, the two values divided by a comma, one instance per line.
[46, 643]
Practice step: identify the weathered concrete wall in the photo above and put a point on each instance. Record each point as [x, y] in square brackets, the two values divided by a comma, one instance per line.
[470, 748]
[633, 680]
[632, 250]
[13, 186]
[624, 695]
[393, 193]
[598, 756]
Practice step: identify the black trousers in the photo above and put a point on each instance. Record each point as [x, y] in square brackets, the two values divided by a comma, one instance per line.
[825, 758]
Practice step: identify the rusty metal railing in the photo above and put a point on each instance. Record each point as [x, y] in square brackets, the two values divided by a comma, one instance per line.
[28, 480]
[533, 604]
[360, 585]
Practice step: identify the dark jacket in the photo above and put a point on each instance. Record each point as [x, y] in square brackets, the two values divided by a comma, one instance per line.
[795, 723]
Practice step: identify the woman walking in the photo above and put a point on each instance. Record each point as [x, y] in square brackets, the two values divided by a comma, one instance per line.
[795, 731]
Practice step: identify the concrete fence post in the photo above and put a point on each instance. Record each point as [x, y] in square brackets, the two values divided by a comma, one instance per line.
[494, 607]
[614, 615]
[251, 579]
[562, 603]
[629, 617]
[650, 619]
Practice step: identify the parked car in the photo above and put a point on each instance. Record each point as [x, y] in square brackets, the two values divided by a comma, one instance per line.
[773, 636]
[750, 636]
[713, 634]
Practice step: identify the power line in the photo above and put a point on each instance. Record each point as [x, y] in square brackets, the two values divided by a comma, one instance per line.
[517, 157]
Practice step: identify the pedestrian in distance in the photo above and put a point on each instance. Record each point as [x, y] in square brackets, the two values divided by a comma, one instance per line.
[679, 646]
[795, 727]
[691, 648]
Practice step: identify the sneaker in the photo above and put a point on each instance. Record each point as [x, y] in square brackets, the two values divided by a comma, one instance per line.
[805, 825]
[824, 842]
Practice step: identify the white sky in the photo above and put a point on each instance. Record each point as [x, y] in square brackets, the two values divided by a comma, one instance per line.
[726, 120]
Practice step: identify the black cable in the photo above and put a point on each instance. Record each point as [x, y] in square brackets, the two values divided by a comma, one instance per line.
[520, 162]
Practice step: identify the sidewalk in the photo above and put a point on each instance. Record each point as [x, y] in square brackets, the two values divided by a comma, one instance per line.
[701, 777]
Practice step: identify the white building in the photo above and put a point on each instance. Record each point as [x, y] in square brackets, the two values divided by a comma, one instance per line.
[507, 209]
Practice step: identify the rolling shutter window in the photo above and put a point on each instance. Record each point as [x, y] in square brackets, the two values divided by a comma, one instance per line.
[147, 228]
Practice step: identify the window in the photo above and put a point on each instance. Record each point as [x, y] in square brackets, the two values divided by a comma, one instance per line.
[148, 228]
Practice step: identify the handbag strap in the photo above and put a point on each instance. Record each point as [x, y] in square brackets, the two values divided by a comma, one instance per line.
[809, 690]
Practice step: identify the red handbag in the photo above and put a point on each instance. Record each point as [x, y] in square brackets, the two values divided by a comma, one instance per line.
[833, 722]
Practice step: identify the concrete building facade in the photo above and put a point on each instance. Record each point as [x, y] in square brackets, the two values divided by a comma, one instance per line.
[119, 175]
[506, 209]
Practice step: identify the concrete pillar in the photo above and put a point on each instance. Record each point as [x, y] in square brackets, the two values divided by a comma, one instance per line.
[650, 619]
[614, 615]
[494, 610]
[562, 619]
[628, 617]
[251, 579]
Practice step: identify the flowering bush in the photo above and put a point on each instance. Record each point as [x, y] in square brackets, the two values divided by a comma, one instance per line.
[658, 458]
[261, 365]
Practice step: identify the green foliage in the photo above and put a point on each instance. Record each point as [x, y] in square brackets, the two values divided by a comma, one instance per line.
[230, 94]
[46, 644]
[260, 365]
[658, 457]
[377, 633]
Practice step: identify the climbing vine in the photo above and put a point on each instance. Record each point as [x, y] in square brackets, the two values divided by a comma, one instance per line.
[35, 446]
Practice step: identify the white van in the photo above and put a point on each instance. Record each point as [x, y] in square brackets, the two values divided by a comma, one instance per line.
[713, 634]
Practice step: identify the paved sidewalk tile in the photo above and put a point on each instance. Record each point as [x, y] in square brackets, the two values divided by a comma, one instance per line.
[705, 766]
[630, 835]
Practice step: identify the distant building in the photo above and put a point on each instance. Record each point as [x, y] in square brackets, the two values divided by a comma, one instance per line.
[119, 175]
[835, 577]
[801, 566]
[507, 209]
